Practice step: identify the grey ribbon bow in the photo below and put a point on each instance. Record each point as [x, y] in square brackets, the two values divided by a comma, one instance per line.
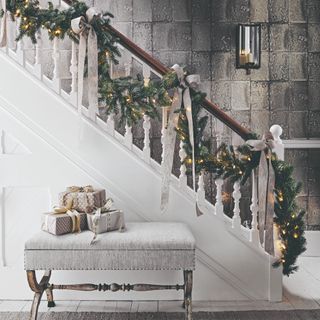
[181, 95]
[266, 190]
[88, 38]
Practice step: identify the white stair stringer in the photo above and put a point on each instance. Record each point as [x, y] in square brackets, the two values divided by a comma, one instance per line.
[134, 184]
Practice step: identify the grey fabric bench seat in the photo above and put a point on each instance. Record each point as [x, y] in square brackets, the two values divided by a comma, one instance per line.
[143, 246]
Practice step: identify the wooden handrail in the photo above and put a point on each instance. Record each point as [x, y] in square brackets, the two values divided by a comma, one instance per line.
[162, 69]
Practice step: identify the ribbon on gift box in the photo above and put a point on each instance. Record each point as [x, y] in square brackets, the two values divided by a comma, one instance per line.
[266, 190]
[82, 26]
[181, 96]
[97, 216]
[5, 18]
[86, 189]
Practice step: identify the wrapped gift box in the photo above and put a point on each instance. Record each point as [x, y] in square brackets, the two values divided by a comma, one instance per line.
[59, 224]
[107, 221]
[84, 199]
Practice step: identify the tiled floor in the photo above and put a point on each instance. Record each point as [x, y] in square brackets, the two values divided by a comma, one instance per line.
[301, 291]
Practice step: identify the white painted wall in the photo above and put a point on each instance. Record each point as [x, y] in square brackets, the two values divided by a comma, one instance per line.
[65, 150]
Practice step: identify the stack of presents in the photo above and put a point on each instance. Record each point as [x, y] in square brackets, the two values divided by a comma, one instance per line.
[83, 208]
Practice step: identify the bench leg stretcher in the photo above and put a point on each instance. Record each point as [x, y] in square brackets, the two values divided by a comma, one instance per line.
[44, 285]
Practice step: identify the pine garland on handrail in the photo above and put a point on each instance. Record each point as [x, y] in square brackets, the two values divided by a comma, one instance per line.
[132, 99]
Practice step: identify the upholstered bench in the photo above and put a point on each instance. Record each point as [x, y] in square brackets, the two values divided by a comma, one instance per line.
[144, 246]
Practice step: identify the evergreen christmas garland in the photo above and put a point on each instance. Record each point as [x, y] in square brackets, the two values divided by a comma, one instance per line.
[132, 99]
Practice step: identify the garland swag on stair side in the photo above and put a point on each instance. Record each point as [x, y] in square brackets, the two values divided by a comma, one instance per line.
[132, 99]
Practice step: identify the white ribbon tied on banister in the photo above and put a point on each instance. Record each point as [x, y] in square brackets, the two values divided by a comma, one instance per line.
[3, 31]
[266, 190]
[88, 39]
[181, 96]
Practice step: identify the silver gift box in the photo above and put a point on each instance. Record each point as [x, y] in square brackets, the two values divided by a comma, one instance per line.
[107, 221]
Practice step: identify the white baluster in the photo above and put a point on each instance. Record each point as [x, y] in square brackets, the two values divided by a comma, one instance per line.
[128, 136]
[183, 168]
[201, 194]
[219, 204]
[146, 74]
[236, 220]
[276, 131]
[146, 142]
[2, 226]
[254, 233]
[164, 130]
[74, 74]
[20, 45]
[37, 62]
[110, 124]
[56, 64]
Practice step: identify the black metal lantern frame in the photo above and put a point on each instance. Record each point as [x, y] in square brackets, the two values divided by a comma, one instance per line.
[248, 48]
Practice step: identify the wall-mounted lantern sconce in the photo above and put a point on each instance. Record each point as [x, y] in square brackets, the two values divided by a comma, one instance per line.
[248, 53]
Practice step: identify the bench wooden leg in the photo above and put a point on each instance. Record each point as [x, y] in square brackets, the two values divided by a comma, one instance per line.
[187, 304]
[38, 289]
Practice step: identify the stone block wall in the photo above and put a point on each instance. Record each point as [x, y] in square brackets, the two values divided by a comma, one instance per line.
[200, 34]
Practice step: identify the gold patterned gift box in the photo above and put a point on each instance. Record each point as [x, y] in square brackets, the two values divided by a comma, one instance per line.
[84, 199]
[64, 223]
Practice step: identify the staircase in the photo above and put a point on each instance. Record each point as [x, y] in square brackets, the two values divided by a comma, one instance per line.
[47, 144]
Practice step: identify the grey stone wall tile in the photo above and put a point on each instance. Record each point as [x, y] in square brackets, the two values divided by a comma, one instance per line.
[314, 95]
[175, 36]
[221, 93]
[259, 122]
[265, 37]
[221, 65]
[279, 11]
[201, 64]
[298, 124]
[243, 117]
[298, 40]
[314, 156]
[297, 157]
[314, 11]
[263, 73]
[298, 67]
[201, 10]
[169, 58]
[221, 10]
[279, 96]
[314, 66]
[301, 174]
[182, 10]
[162, 11]
[259, 11]
[240, 11]
[282, 119]
[124, 27]
[221, 36]
[121, 9]
[279, 37]
[201, 36]
[298, 11]
[299, 96]
[142, 10]
[259, 94]
[279, 66]
[142, 35]
[240, 95]
[313, 211]
[314, 37]
[314, 124]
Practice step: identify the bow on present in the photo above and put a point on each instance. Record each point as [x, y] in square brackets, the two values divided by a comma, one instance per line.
[266, 190]
[3, 32]
[86, 189]
[73, 214]
[82, 26]
[181, 96]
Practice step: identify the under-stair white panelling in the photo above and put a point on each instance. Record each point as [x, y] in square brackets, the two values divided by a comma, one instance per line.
[66, 150]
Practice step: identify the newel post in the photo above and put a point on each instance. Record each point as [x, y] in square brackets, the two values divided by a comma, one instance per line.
[275, 274]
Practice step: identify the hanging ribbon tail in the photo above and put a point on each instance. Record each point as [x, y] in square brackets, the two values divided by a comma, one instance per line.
[95, 223]
[4, 27]
[168, 152]
[269, 239]
[75, 217]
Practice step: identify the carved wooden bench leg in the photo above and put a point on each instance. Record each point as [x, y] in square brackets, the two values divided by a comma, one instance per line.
[38, 289]
[188, 294]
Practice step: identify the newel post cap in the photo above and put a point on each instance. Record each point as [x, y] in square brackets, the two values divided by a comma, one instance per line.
[276, 131]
